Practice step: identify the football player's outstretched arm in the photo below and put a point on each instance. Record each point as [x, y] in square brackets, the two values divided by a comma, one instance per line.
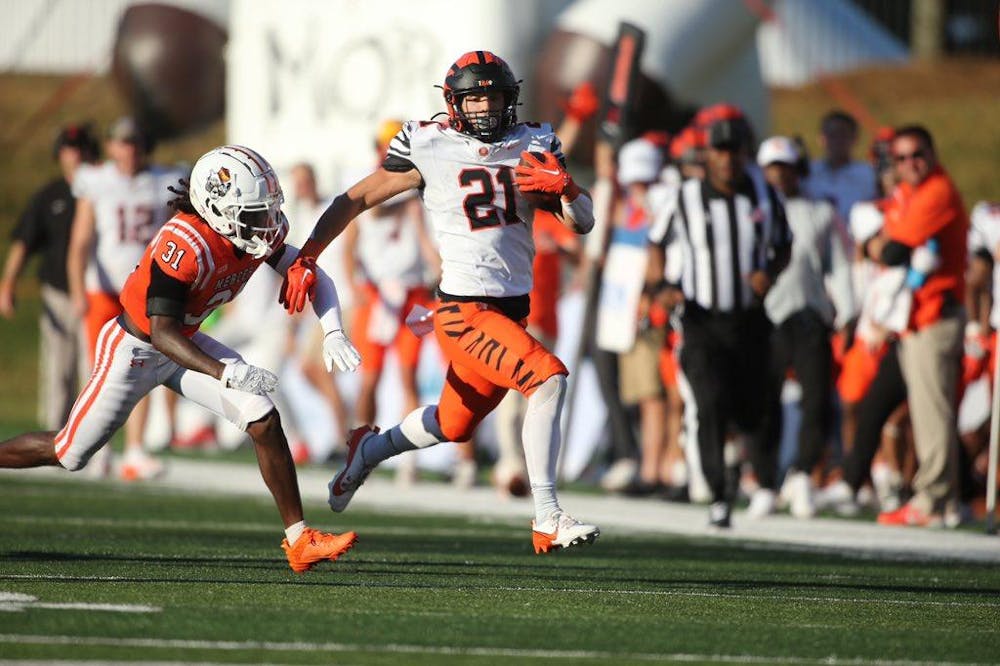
[167, 338]
[372, 190]
[380, 186]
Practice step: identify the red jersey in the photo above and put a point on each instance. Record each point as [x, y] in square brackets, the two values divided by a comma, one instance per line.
[189, 252]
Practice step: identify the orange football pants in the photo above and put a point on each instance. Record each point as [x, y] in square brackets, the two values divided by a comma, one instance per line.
[488, 353]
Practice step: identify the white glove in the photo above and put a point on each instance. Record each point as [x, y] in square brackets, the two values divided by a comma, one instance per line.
[248, 378]
[338, 350]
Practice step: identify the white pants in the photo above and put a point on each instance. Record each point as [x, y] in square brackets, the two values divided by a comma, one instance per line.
[125, 370]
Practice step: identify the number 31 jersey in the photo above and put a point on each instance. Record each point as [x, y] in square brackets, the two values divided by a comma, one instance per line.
[193, 256]
[482, 223]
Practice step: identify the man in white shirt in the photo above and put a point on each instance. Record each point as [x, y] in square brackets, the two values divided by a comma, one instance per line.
[836, 177]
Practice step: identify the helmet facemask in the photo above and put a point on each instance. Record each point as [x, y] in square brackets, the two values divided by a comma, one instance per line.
[487, 126]
[256, 228]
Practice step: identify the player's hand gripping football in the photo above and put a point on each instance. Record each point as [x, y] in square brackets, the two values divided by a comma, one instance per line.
[300, 284]
[544, 174]
[338, 350]
[248, 378]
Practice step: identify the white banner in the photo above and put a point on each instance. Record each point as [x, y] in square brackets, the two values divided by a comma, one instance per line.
[310, 80]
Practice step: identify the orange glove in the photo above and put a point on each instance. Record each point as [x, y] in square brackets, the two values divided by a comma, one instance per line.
[582, 103]
[544, 175]
[300, 284]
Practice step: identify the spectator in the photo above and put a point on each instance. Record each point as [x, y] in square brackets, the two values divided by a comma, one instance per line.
[926, 206]
[803, 313]
[44, 227]
[641, 333]
[121, 204]
[733, 240]
[837, 177]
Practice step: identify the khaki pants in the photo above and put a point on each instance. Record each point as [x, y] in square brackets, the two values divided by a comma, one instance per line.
[931, 361]
[59, 358]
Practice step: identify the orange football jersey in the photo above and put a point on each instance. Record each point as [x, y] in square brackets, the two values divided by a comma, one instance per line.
[191, 252]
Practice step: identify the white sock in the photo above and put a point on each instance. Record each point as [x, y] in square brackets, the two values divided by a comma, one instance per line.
[293, 532]
[418, 430]
[541, 435]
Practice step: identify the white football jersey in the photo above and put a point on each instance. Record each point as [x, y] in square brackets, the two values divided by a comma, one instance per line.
[984, 237]
[128, 211]
[388, 246]
[481, 221]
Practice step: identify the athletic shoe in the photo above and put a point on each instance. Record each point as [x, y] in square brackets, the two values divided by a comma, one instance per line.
[797, 494]
[562, 531]
[314, 546]
[140, 466]
[907, 515]
[839, 496]
[762, 503]
[621, 473]
[719, 514]
[355, 470]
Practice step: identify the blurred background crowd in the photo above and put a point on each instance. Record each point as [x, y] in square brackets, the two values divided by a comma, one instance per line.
[853, 375]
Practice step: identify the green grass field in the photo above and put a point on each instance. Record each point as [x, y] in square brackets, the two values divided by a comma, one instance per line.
[207, 583]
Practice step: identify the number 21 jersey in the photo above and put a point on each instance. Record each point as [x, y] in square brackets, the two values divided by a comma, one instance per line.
[481, 222]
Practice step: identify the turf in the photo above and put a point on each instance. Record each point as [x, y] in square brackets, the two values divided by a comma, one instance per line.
[429, 590]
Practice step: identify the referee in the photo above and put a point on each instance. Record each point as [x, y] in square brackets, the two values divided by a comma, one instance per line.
[717, 251]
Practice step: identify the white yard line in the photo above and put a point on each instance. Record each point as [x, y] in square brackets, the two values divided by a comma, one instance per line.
[156, 643]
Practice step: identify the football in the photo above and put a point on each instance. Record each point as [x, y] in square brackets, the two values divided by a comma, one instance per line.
[540, 200]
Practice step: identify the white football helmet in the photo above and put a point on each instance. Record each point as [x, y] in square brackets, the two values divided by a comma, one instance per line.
[236, 191]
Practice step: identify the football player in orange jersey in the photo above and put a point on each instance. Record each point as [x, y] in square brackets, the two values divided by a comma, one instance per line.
[472, 173]
[229, 222]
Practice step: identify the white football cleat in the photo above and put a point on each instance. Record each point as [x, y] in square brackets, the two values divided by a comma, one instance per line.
[562, 531]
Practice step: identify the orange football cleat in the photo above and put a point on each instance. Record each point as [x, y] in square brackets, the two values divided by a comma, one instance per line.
[315, 546]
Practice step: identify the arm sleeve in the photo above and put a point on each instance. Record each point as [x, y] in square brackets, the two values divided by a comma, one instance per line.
[326, 303]
[166, 295]
[839, 282]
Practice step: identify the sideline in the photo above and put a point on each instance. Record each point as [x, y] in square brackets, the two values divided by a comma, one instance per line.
[612, 513]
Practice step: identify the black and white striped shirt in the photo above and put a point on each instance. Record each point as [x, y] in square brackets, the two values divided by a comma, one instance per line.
[713, 242]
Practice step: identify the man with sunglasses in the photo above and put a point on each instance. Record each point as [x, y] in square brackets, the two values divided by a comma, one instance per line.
[926, 205]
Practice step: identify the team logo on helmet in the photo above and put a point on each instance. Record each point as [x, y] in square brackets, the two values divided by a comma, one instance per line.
[218, 183]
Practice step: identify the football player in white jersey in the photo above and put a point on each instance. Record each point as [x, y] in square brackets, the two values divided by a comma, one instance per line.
[471, 172]
[121, 204]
